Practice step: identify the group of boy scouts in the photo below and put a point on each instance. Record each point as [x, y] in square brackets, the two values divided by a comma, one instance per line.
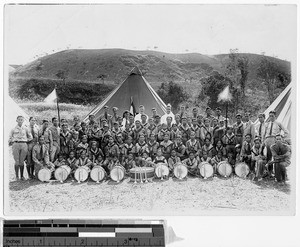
[127, 139]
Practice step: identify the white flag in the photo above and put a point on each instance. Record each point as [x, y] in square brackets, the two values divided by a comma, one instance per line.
[52, 97]
[225, 95]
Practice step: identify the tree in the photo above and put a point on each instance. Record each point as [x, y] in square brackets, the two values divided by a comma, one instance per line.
[243, 66]
[271, 75]
[172, 93]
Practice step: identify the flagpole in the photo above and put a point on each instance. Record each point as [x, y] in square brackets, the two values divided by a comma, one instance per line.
[226, 114]
[57, 106]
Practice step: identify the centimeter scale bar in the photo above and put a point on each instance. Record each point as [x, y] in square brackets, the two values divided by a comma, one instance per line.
[46, 233]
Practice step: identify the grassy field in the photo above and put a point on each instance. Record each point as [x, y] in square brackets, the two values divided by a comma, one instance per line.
[47, 111]
[171, 197]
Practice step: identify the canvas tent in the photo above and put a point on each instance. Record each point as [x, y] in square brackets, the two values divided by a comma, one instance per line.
[282, 106]
[11, 112]
[134, 87]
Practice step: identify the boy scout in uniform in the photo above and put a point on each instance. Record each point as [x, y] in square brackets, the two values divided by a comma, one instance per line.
[18, 138]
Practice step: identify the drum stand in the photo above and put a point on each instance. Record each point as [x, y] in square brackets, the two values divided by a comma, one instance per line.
[141, 175]
[146, 180]
[135, 177]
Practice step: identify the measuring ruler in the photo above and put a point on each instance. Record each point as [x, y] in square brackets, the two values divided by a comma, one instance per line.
[73, 233]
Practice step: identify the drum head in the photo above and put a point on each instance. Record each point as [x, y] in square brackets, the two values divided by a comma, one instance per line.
[81, 174]
[224, 169]
[137, 173]
[44, 174]
[97, 174]
[242, 170]
[206, 170]
[180, 171]
[161, 170]
[117, 173]
[61, 174]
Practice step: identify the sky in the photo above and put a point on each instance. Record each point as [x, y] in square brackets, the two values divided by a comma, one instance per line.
[36, 30]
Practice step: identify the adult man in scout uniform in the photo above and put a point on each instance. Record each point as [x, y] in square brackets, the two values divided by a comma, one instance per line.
[18, 138]
[273, 128]
[55, 130]
[260, 129]
[40, 156]
[248, 125]
[281, 153]
[34, 130]
[46, 132]
[238, 129]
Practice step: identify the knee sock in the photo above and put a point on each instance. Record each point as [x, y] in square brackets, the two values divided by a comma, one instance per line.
[28, 168]
[17, 171]
[22, 171]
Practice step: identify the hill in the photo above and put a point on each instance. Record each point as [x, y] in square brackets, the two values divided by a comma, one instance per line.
[103, 69]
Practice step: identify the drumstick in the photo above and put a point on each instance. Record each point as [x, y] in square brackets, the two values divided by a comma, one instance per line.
[204, 171]
[161, 172]
[180, 174]
[225, 170]
[118, 176]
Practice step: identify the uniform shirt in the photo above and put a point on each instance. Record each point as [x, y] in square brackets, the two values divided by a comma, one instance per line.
[20, 134]
[249, 128]
[73, 163]
[179, 148]
[140, 148]
[34, 130]
[40, 153]
[166, 146]
[84, 162]
[94, 153]
[275, 128]
[152, 146]
[127, 148]
[260, 130]
[139, 117]
[58, 163]
[246, 148]
[164, 118]
[205, 132]
[238, 129]
[229, 139]
[259, 153]
[47, 135]
[193, 145]
[208, 149]
[150, 130]
[281, 152]
[55, 131]
[172, 161]
[191, 163]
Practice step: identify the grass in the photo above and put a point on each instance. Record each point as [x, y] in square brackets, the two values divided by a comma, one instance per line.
[47, 111]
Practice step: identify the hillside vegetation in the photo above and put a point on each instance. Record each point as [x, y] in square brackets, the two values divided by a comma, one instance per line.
[87, 76]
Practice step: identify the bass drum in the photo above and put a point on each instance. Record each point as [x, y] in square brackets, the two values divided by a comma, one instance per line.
[98, 174]
[144, 173]
[44, 174]
[161, 170]
[62, 173]
[224, 169]
[180, 170]
[82, 173]
[206, 170]
[117, 173]
[241, 170]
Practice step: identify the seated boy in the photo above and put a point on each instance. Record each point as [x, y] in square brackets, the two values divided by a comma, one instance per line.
[216, 160]
[192, 163]
[173, 160]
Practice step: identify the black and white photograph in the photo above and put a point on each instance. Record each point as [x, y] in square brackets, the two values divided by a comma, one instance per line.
[158, 109]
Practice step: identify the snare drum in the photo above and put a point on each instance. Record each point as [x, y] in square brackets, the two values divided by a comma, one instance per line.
[161, 170]
[144, 173]
[44, 174]
[206, 170]
[82, 173]
[180, 170]
[62, 173]
[117, 173]
[241, 169]
[98, 173]
[224, 169]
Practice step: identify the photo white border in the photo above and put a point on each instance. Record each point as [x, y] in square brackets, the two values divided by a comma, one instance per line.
[216, 230]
